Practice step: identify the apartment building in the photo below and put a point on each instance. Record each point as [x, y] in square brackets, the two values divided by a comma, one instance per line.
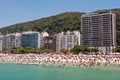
[31, 39]
[67, 40]
[50, 42]
[11, 40]
[1, 42]
[99, 30]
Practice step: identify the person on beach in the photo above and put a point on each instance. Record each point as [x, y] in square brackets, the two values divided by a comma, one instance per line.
[64, 60]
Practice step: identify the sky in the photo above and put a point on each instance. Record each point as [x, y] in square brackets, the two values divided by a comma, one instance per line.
[17, 11]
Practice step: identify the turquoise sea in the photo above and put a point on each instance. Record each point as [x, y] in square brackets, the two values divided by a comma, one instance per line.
[36, 72]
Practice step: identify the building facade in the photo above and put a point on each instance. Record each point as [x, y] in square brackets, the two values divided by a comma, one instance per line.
[99, 30]
[43, 34]
[1, 42]
[50, 42]
[18, 40]
[31, 39]
[67, 40]
[24, 39]
[11, 40]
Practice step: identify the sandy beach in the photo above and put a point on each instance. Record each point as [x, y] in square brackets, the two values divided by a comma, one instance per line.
[61, 60]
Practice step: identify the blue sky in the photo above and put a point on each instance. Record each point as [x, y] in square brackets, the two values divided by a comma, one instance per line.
[17, 11]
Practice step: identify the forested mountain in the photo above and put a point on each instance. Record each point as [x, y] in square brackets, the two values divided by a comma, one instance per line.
[61, 22]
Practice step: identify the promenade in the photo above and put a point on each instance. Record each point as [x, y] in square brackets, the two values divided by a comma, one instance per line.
[61, 60]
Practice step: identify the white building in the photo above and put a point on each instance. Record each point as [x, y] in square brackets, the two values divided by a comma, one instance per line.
[11, 40]
[44, 34]
[18, 39]
[1, 42]
[77, 33]
[67, 40]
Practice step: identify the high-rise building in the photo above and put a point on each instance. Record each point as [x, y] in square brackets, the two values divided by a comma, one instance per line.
[18, 40]
[99, 30]
[31, 39]
[67, 40]
[11, 40]
[1, 42]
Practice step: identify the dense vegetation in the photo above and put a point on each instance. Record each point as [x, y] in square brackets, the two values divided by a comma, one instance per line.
[76, 50]
[84, 50]
[54, 24]
[61, 22]
[21, 50]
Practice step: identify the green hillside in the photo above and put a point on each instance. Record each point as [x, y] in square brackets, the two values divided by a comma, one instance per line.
[61, 22]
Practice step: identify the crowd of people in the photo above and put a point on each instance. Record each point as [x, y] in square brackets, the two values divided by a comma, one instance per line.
[61, 59]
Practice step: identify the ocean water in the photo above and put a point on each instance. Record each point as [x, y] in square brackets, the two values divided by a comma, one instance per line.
[36, 72]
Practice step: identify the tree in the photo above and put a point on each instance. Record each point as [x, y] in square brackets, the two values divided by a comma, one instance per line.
[30, 50]
[63, 51]
[14, 50]
[17, 50]
[80, 49]
[117, 49]
[21, 50]
[83, 49]
[94, 50]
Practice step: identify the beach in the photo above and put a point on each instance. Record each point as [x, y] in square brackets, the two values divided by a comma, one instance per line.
[59, 67]
[61, 59]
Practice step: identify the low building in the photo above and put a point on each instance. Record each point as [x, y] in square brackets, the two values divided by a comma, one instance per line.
[50, 42]
[43, 34]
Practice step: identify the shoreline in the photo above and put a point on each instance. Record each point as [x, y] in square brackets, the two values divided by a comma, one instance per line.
[61, 60]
